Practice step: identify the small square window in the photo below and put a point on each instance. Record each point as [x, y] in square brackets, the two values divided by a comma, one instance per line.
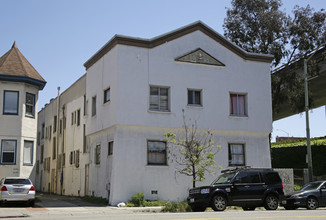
[107, 95]
[194, 97]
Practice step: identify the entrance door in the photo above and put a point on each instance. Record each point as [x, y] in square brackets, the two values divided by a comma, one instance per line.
[86, 179]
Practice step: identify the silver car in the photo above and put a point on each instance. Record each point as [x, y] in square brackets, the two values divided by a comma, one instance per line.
[17, 189]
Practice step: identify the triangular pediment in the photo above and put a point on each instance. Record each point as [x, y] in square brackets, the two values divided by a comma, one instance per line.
[199, 56]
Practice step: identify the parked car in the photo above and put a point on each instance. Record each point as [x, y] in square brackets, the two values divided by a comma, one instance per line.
[311, 196]
[17, 189]
[244, 187]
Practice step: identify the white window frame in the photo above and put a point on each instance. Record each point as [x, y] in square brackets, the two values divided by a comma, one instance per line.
[230, 154]
[30, 105]
[31, 153]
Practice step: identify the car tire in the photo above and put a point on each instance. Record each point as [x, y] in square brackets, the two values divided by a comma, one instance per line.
[31, 203]
[271, 202]
[219, 203]
[198, 208]
[248, 208]
[311, 203]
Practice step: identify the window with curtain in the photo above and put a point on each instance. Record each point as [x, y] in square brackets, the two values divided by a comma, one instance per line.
[159, 99]
[8, 151]
[194, 97]
[236, 155]
[10, 102]
[238, 105]
[30, 105]
[28, 153]
[156, 151]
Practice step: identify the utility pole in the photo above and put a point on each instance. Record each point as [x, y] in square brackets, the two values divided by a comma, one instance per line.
[305, 71]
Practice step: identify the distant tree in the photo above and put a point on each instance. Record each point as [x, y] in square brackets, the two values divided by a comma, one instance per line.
[193, 151]
[260, 26]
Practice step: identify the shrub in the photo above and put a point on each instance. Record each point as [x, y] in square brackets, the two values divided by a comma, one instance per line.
[138, 200]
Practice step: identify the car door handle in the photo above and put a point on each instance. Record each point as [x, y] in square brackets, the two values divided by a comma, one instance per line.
[246, 186]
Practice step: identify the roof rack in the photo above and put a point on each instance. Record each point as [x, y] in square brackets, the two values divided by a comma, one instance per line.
[235, 169]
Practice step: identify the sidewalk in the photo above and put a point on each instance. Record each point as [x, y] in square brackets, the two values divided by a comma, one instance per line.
[50, 204]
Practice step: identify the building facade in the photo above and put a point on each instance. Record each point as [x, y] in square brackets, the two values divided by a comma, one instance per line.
[19, 87]
[133, 92]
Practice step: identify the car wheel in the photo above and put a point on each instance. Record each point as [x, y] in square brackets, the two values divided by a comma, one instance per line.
[248, 208]
[31, 203]
[219, 203]
[312, 203]
[198, 208]
[271, 202]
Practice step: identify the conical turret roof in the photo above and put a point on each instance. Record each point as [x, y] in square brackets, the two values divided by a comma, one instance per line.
[15, 67]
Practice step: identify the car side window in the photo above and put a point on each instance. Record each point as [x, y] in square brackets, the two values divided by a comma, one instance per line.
[248, 177]
[323, 187]
[272, 178]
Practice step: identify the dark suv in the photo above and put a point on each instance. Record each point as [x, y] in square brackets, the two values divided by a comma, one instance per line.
[245, 187]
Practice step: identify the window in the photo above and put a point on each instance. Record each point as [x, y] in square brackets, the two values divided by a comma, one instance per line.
[248, 177]
[43, 126]
[98, 154]
[156, 153]
[72, 118]
[159, 99]
[106, 95]
[94, 106]
[8, 151]
[77, 159]
[85, 106]
[28, 153]
[10, 102]
[54, 124]
[54, 153]
[238, 105]
[84, 139]
[194, 97]
[236, 155]
[42, 154]
[30, 105]
[78, 117]
[110, 148]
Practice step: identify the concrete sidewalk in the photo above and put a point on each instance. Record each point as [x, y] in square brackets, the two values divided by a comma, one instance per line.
[50, 205]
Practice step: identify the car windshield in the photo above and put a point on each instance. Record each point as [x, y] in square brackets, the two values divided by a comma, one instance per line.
[310, 186]
[224, 178]
[17, 181]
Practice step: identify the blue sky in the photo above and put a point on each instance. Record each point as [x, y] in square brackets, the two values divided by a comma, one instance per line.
[58, 37]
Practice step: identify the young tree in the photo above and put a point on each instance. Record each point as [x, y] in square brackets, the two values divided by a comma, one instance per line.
[260, 26]
[193, 151]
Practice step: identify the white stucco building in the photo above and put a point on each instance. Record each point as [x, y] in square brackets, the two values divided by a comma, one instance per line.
[19, 87]
[133, 92]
